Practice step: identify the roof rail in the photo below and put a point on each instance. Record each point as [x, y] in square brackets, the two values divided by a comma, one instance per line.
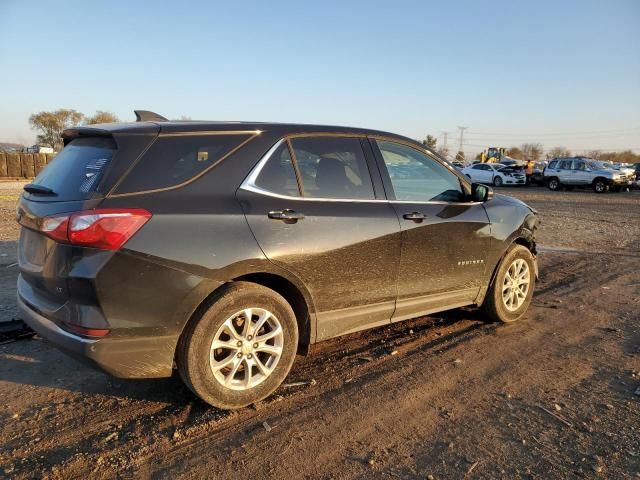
[147, 116]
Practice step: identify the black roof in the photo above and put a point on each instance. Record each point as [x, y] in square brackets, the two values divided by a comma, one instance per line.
[204, 126]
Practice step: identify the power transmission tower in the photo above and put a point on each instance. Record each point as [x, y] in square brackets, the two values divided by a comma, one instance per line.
[444, 144]
[462, 129]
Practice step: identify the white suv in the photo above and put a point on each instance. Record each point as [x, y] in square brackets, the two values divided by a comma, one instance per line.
[583, 172]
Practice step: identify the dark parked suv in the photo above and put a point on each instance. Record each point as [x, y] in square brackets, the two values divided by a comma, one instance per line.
[223, 249]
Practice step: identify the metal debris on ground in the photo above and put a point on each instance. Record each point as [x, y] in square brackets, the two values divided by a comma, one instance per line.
[14, 330]
[299, 384]
[266, 426]
[556, 416]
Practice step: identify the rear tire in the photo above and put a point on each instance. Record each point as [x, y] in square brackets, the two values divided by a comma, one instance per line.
[516, 273]
[553, 184]
[244, 369]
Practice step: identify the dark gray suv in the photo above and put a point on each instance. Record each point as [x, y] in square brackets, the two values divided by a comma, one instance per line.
[223, 249]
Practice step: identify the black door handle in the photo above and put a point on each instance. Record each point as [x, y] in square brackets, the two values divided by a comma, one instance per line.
[286, 215]
[415, 216]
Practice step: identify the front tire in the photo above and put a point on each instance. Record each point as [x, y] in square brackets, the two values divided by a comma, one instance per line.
[240, 348]
[497, 182]
[600, 186]
[512, 288]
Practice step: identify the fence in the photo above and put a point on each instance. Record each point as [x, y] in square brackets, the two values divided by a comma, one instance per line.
[23, 165]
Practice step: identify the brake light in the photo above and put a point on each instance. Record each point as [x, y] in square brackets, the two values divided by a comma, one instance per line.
[106, 229]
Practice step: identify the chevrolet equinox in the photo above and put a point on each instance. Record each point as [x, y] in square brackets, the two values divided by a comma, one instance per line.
[224, 249]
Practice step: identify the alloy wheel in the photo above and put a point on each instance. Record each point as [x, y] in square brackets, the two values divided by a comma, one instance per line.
[515, 285]
[246, 349]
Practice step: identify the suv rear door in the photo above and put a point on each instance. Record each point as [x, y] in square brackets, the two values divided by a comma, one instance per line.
[316, 209]
[445, 238]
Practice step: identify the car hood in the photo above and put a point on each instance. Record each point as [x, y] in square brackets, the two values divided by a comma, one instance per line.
[512, 201]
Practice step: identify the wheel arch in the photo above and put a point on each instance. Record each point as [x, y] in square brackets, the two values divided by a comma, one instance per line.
[604, 179]
[524, 236]
[290, 289]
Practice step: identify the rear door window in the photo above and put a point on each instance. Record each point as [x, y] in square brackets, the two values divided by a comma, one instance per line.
[173, 160]
[278, 174]
[77, 170]
[333, 167]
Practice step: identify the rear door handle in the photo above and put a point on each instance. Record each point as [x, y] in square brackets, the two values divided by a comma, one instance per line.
[415, 216]
[286, 215]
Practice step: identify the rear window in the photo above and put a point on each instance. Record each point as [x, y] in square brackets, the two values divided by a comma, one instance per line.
[173, 160]
[76, 171]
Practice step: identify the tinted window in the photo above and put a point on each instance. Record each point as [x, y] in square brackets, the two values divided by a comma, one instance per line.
[579, 165]
[332, 167]
[76, 171]
[173, 160]
[278, 175]
[553, 164]
[480, 166]
[417, 177]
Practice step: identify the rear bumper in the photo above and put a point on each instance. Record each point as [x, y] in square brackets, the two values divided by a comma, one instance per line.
[124, 357]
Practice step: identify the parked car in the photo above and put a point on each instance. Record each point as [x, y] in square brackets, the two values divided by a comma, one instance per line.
[39, 149]
[226, 248]
[583, 172]
[494, 174]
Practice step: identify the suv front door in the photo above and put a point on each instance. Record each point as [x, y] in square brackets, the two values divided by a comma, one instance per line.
[317, 212]
[445, 237]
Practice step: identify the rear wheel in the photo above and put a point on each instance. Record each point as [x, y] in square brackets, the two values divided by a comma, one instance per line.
[241, 348]
[510, 293]
[553, 184]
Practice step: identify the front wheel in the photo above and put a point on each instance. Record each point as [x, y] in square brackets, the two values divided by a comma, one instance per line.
[600, 186]
[497, 182]
[241, 347]
[510, 292]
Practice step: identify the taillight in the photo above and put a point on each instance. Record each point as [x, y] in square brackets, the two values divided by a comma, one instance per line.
[106, 229]
[87, 332]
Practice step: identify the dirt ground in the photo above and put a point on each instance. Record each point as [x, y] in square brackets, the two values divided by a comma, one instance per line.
[445, 396]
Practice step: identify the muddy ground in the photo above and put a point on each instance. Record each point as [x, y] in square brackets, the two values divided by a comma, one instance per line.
[446, 396]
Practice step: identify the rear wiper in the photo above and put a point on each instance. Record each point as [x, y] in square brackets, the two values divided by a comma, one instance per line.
[38, 189]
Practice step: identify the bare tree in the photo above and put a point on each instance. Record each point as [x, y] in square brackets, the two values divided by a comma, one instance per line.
[514, 152]
[531, 151]
[102, 116]
[460, 156]
[444, 152]
[50, 125]
[595, 154]
[559, 152]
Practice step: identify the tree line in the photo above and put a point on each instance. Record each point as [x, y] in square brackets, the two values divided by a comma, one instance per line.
[535, 152]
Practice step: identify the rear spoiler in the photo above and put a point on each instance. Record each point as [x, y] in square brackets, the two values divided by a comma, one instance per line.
[147, 116]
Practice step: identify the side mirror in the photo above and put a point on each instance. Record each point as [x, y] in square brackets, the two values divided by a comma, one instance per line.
[481, 193]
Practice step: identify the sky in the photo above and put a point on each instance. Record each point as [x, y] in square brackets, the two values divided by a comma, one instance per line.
[562, 73]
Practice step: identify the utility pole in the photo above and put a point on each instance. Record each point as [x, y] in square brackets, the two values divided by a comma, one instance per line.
[462, 129]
